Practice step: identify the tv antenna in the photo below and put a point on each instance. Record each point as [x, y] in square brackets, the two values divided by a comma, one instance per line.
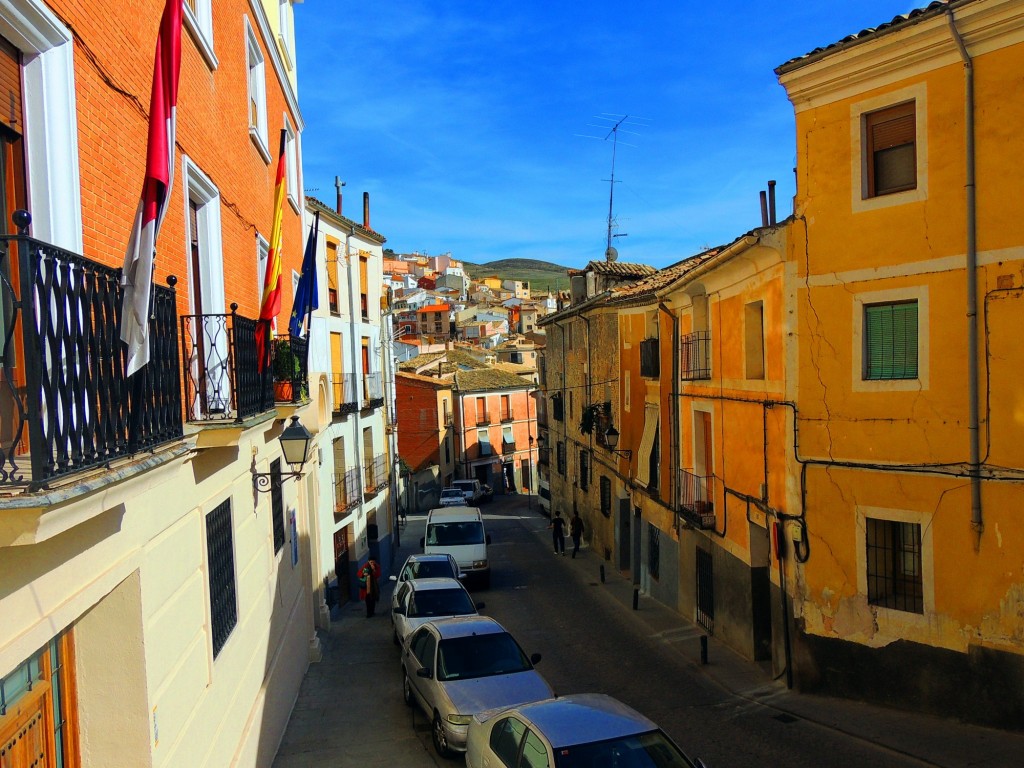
[616, 122]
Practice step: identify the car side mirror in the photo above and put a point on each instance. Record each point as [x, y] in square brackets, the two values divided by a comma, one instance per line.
[487, 538]
[535, 658]
[422, 540]
[424, 672]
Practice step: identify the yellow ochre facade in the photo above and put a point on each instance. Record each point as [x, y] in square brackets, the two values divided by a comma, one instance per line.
[908, 567]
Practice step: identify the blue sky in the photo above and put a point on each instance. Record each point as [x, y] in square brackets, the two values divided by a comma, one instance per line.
[463, 119]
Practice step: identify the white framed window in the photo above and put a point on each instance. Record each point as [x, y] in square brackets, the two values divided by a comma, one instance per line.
[291, 154]
[262, 255]
[891, 340]
[257, 90]
[889, 149]
[198, 20]
[286, 33]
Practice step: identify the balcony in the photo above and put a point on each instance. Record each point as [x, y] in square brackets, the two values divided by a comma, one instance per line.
[697, 499]
[544, 456]
[483, 419]
[65, 404]
[344, 390]
[375, 477]
[479, 451]
[347, 494]
[507, 416]
[373, 391]
[290, 357]
[223, 380]
[507, 447]
[695, 356]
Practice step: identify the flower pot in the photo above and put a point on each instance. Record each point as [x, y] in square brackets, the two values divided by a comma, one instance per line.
[282, 391]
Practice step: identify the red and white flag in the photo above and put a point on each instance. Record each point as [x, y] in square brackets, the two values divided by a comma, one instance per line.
[137, 278]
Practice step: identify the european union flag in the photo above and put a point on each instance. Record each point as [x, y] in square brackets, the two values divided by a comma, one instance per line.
[306, 294]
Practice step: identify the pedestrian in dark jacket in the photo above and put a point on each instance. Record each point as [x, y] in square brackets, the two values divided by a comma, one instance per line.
[369, 585]
[576, 531]
[558, 533]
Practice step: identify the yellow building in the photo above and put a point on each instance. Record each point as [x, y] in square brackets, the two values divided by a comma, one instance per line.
[908, 255]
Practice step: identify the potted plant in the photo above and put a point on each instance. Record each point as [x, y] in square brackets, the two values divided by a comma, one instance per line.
[286, 371]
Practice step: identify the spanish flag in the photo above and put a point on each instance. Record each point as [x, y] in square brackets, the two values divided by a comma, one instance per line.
[271, 305]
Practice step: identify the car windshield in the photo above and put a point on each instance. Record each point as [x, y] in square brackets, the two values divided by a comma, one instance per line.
[429, 569]
[463, 658]
[441, 602]
[645, 750]
[452, 534]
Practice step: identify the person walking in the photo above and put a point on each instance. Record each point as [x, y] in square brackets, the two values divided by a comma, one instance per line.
[558, 533]
[576, 531]
[369, 585]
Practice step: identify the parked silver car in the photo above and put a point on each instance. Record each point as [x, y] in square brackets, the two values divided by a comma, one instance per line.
[576, 731]
[456, 668]
[452, 497]
[432, 566]
[418, 601]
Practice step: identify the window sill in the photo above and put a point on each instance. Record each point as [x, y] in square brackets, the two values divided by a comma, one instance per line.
[203, 40]
[260, 143]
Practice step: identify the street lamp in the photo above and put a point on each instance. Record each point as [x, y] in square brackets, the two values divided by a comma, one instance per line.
[611, 439]
[295, 440]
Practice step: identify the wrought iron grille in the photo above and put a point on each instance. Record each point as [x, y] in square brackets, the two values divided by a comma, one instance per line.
[654, 551]
[221, 557]
[508, 446]
[345, 393]
[606, 496]
[483, 419]
[223, 378]
[347, 494]
[65, 404]
[695, 356]
[705, 590]
[894, 565]
[276, 504]
[697, 499]
[376, 475]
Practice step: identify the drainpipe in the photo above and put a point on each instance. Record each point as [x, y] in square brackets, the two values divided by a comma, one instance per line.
[977, 523]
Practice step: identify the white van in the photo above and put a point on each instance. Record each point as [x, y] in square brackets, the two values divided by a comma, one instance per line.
[459, 532]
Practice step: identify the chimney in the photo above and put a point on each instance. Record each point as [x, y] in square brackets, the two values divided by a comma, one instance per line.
[764, 208]
[338, 184]
[366, 210]
[771, 202]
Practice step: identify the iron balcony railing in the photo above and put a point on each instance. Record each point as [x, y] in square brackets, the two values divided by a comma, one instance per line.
[697, 499]
[291, 377]
[345, 393]
[347, 492]
[223, 378]
[483, 419]
[375, 476]
[695, 356]
[479, 451]
[373, 391]
[65, 403]
[508, 447]
[507, 416]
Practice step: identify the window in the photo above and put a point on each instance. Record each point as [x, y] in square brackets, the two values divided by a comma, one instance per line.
[286, 33]
[198, 20]
[584, 470]
[484, 439]
[506, 408]
[654, 551]
[257, 108]
[753, 337]
[276, 504]
[650, 362]
[221, 574]
[890, 341]
[560, 458]
[894, 572]
[606, 496]
[262, 254]
[890, 151]
[332, 277]
[535, 754]
[291, 164]
[505, 738]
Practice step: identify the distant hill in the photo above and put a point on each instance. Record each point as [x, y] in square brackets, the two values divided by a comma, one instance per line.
[541, 275]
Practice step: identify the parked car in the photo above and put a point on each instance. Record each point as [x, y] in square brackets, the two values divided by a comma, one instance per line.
[459, 531]
[433, 566]
[452, 497]
[421, 600]
[456, 668]
[585, 729]
[471, 489]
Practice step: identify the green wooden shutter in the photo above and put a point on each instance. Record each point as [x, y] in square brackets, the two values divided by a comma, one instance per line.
[891, 341]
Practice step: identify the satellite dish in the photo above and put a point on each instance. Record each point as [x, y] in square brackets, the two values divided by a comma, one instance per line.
[611, 254]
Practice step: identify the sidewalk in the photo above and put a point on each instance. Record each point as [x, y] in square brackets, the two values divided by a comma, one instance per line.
[934, 741]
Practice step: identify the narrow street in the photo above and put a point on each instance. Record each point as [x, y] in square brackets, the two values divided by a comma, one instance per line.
[728, 713]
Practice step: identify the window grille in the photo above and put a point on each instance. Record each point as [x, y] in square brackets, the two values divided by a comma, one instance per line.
[276, 504]
[890, 341]
[606, 496]
[556, 408]
[561, 459]
[584, 470]
[654, 551]
[221, 566]
[894, 565]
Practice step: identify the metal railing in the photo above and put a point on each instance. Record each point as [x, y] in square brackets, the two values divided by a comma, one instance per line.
[507, 447]
[482, 419]
[347, 492]
[224, 380]
[345, 393]
[375, 475]
[291, 377]
[507, 416]
[697, 499]
[695, 356]
[479, 451]
[373, 391]
[65, 403]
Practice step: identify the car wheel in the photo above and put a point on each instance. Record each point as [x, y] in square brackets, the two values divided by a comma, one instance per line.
[406, 690]
[440, 738]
